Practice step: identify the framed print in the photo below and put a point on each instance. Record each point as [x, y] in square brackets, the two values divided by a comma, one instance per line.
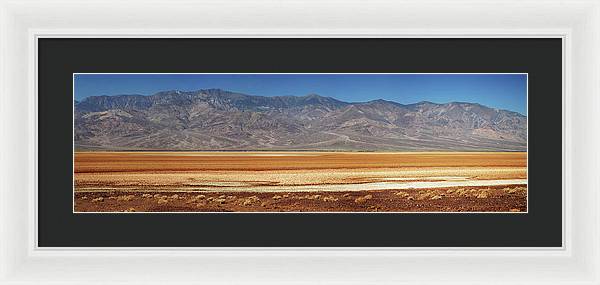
[405, 145]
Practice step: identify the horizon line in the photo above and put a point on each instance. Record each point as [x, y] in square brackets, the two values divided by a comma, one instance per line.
[499, 103]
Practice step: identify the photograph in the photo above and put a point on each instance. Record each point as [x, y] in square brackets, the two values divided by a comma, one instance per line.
[300, 143]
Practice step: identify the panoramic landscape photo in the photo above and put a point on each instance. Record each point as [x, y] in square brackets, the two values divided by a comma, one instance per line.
[300, 143]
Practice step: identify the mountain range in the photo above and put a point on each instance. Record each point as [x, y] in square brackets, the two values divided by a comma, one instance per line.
[215, 119]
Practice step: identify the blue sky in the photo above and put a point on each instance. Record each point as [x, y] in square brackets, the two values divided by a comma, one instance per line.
[503, 91]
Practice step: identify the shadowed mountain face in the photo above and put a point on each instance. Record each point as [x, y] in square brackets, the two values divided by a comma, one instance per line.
[214, 119]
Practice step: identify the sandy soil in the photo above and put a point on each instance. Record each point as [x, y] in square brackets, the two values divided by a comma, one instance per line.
[473, 199]
[300, 182]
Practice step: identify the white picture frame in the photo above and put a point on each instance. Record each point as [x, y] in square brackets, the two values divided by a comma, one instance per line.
[23, 22]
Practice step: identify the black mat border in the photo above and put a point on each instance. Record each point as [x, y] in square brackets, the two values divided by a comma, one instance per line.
[59, 58]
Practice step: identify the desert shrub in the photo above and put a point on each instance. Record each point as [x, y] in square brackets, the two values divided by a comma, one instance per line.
[329, 199]
[482, 195]
[363, 198]
[125, 198]
[424, 196]
[250, 200]
[99, 199]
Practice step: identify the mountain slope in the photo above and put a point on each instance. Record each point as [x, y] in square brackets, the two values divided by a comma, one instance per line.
[215, 119]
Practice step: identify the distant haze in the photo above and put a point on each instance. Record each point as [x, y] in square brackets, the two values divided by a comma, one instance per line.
[502, 91]
[216, 119]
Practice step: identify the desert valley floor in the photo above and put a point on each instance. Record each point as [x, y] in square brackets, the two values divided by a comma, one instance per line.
[300, 182]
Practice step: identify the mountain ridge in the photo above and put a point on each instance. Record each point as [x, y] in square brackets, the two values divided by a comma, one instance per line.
[216, 119]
